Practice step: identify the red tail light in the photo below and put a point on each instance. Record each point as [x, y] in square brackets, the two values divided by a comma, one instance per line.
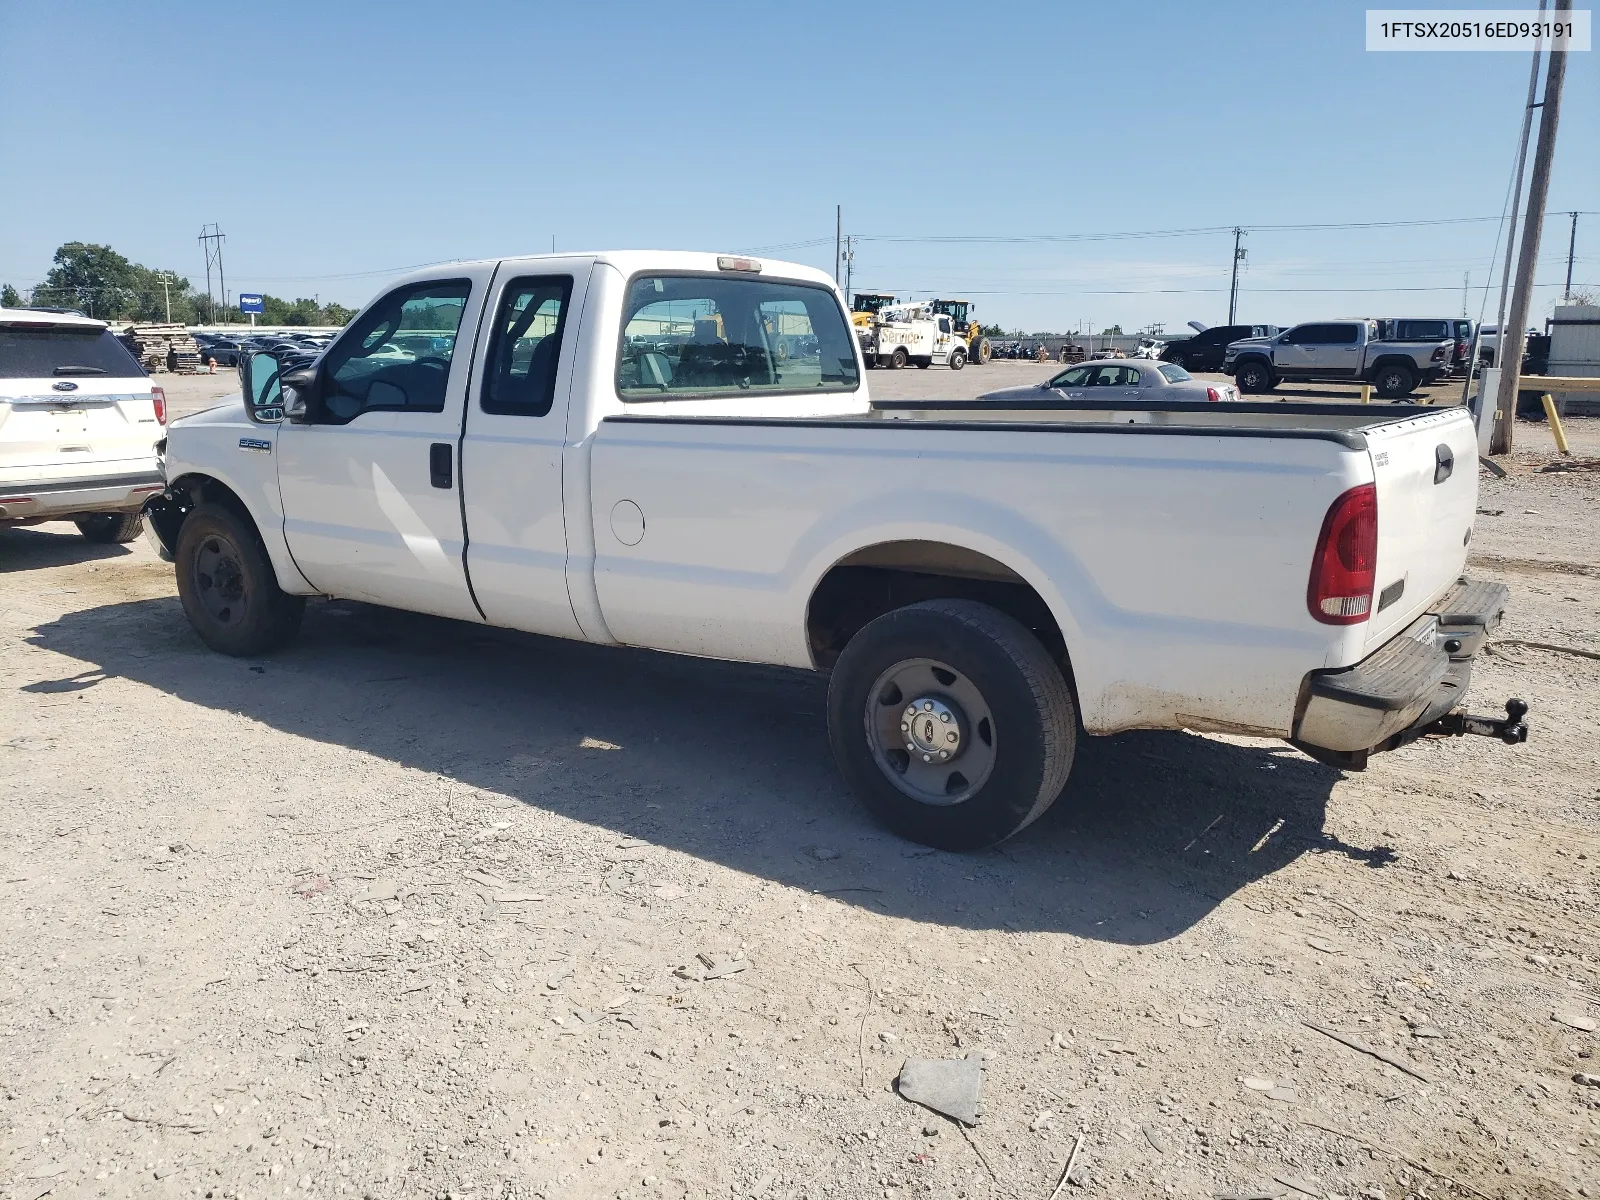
[159, 396]
[1344, 567]
[1213, 395]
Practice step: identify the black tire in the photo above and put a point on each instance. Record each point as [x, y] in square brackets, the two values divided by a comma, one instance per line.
[1254, 375]
[228, 588]
[1020, 751]
[110, 529]
[982, 352]
[1178, 360]
[1394, 380]
[899, 358]
[923, 361]
[958, 359]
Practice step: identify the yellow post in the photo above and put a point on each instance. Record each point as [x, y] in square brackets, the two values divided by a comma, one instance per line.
[1551, 415]
[1366, 393]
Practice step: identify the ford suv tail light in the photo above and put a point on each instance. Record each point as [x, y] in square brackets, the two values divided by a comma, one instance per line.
[1344, 566]
[159, 396]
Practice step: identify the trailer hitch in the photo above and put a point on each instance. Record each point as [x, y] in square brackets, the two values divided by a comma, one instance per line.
[1511, 730]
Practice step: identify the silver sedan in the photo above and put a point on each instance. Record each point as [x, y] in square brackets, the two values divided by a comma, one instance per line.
[1121, 381]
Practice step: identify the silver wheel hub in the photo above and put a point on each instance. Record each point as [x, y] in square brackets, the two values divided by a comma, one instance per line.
[932, 729]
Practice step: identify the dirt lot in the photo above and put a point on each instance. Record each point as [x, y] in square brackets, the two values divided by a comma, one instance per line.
[415, 909]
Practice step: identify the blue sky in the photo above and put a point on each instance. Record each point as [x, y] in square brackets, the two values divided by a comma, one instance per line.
[336, 142]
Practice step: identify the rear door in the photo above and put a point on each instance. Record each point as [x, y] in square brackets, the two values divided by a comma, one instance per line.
[370, 485]
[1426, 470]
[74, 404]
[512, 452]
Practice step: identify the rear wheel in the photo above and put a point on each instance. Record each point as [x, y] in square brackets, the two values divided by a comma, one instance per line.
[951, 723]
[227, 586]
[110, 528]
[899, 358]
[1254, 375]
[1394, 381]
[958, 359]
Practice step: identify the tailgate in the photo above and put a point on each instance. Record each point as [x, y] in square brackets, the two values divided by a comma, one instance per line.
[1426, 469]
[102, 420]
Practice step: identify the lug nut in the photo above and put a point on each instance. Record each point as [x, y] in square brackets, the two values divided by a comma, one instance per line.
[951, 736]
[927, 706]
[904, 728]
[945, 717]
[927, 758]
[910, 747]
[944, 754]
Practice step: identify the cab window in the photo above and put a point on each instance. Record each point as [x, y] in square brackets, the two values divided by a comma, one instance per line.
[396, 357]
[520, 376]
[698, 335]
[1075, 378]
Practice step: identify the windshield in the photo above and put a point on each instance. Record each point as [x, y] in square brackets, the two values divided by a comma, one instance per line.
[871, 304]
[61, 353]
[711, 335]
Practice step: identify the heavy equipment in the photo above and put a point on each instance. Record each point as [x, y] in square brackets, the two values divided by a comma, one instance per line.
[960, 312]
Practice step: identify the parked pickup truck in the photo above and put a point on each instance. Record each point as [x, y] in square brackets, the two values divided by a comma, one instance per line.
[1335, 351]
[605, 447]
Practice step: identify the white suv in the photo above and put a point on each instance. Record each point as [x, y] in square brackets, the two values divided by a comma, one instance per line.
[79, 422]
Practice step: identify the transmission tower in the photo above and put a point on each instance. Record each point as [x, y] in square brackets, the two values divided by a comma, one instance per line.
[211, 239]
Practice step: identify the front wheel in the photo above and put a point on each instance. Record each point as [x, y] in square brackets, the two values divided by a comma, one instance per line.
[1254, 376]
[951, 723]
[227, 586]
[982, 352]
[110, 529]
[958, 359]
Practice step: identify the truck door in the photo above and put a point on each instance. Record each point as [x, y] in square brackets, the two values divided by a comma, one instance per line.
[1298, 349]
[369, 481]
[511, 455]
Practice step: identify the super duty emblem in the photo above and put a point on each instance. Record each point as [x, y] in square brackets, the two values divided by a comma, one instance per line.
[255, 445]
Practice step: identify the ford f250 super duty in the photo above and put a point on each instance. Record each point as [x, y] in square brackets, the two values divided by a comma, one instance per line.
[678, 451]
[1338, 351]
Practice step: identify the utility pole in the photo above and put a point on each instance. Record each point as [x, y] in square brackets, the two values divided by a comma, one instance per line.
[1513, 334]
[1233, 289]
[211, 239]
[838, 237]
[166, 281]
[1572, 244]
[1466, 286]
[849, 263]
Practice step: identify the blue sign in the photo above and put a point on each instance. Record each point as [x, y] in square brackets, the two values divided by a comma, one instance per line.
[250, 302]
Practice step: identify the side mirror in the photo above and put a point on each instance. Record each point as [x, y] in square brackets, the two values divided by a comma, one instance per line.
[260, 381]
[301, 383]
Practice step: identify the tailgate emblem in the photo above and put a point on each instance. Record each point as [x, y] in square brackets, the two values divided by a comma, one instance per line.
[64, 385]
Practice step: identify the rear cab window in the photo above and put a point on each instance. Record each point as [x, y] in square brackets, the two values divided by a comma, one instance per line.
[33, 351]
[1173, 373]
[687, 335]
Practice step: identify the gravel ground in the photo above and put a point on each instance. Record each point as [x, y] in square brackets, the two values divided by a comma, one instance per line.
[417, 908]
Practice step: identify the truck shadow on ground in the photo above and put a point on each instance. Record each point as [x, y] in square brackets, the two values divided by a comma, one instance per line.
[731, 764]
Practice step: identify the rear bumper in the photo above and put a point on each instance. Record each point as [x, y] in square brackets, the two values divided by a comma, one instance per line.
[28, 502]
[1392, 695]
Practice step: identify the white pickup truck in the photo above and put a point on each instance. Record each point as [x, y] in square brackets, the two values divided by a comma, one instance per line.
[608, 447]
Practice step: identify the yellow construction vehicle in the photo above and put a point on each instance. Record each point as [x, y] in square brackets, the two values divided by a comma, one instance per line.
[960, 312]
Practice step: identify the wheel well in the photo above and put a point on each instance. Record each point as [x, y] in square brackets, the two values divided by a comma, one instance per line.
[1396, 360]
[169, 511]
[876, 580]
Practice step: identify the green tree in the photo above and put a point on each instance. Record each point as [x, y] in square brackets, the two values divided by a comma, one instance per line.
[105, 284]
[1113, 331]
[9, 297]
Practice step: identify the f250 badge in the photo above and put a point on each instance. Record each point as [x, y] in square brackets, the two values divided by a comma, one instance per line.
[256, 445]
